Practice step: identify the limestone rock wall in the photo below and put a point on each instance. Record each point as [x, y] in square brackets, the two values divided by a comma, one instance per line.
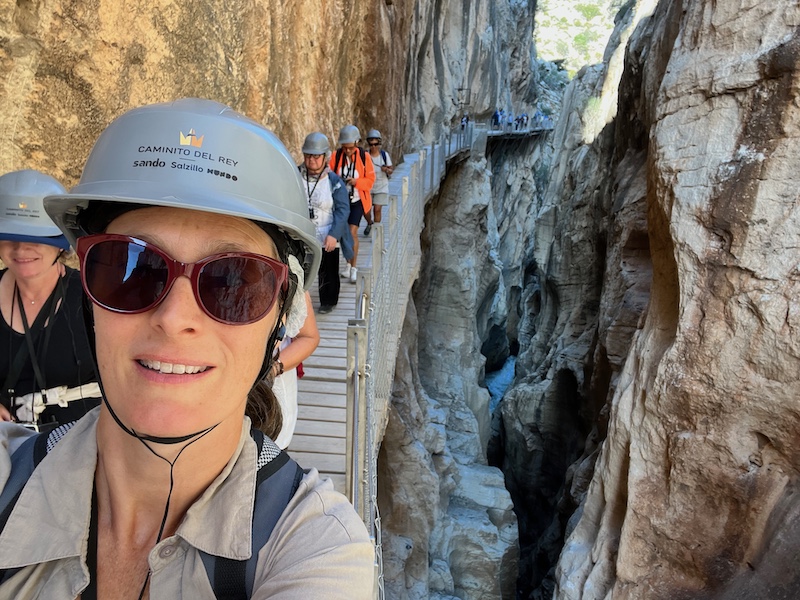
[587, 280]
[67, 67]
[660, 353]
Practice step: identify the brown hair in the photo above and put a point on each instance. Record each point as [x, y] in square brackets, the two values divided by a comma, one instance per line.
[264, 409]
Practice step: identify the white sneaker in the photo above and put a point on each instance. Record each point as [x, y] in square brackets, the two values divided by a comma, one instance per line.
[345, 274]
[353, 274]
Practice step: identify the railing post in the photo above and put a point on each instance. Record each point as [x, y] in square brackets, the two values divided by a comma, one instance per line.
[413, 184]
[377, 250]
[442, 158]
[404, 190]
[420, 183]
[433, 166]
[355, 449]
[393, 200]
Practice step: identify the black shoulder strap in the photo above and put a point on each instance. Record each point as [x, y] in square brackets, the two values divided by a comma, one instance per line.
[338, 161]
[276, 483]
[23, 462]
[363, 154]
[31, 337]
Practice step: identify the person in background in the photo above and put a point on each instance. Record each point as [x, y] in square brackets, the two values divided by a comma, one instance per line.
[353, 165]
[46, 365]
[172, 489]
[300, 341]
[329, 210]
[383, 170]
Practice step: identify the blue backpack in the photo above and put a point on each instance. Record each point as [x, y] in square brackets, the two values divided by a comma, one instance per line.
[277, 481]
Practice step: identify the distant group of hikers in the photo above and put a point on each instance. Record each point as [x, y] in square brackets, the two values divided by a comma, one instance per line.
[509, 122]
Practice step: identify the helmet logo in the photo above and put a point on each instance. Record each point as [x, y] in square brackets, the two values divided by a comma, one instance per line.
[191, 139]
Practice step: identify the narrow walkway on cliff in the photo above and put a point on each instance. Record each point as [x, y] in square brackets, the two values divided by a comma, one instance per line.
[344, 396]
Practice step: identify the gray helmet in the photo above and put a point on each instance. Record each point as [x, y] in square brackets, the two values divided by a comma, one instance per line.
[22, 215]
[374, 134]
[194, 154]
[316, 143]
[349, 134]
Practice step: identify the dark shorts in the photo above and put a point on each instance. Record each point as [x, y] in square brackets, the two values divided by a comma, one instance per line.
[356, 212]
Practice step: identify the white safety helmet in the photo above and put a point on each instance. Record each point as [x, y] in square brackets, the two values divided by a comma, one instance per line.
[349, 134]
[195, 154]
[22, 214]
[316, 143]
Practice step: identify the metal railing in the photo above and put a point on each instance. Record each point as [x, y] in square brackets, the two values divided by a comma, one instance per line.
[373, 336]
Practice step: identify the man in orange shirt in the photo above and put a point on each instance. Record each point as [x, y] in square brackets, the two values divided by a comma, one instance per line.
[354, 166]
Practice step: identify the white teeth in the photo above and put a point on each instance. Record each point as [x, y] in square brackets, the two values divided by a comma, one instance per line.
[157, 365]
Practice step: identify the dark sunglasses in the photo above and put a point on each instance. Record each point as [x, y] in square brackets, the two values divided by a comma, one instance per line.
[374, 143]
[126, 275]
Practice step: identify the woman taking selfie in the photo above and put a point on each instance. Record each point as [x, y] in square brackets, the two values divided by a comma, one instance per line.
[193, 235]
[46, 367]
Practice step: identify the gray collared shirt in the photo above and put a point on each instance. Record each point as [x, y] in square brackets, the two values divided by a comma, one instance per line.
[318, 549]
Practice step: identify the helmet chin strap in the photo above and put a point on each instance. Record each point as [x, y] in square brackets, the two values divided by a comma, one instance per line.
[151, 438]
[275, 337]
[89, 320]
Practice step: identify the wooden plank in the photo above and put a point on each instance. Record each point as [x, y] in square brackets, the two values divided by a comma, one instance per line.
[337, 342]
[329, 463]
[325, 375]
[327, 351]
[325, 362]
[331, 400]
[330, 327]
[321, 413]
[338, 388]
[307, 443]
[322, 428]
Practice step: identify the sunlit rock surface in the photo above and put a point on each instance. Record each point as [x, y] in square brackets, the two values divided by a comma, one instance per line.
[693, 495]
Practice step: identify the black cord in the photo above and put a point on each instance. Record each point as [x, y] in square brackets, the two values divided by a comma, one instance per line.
[171, 464]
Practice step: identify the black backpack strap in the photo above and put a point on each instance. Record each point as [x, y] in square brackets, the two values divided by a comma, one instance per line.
[277, 481]
[338, 161]
[23, 462]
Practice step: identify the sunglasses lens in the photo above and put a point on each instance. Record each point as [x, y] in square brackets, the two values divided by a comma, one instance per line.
[124, 276]
[237, 289]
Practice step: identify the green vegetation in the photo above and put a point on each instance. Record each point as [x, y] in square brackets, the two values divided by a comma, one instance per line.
[575, 31]
[589, 11]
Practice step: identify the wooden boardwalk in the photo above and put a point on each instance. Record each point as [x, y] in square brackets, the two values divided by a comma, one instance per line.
[319, 437]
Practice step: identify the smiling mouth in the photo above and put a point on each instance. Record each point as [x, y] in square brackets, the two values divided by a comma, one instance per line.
[173, 368]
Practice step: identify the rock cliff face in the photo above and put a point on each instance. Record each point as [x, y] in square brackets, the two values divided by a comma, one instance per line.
[663, 310]
[68, 67]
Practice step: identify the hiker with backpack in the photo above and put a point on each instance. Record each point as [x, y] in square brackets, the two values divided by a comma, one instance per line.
[351, 163]
[383, 170]
[191, 225]
[46, 367]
